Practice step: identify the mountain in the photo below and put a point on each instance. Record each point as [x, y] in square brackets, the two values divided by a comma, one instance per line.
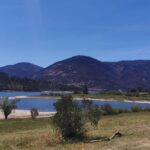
[132, 74]
[80, 70]
[21, 70]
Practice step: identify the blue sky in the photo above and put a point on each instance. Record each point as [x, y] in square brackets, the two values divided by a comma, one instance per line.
[46, 31]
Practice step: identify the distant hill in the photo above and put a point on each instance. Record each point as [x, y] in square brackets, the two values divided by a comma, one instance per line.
[21, 70]
[132, 74]
[80, 70]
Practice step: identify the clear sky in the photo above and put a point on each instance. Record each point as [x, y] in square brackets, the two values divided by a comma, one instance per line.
[45, 31]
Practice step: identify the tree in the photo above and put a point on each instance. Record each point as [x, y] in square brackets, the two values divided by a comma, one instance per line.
[34, 113]
[72, 116]
[68, 117]
[85, 89]
[91, 112]
[7, 106]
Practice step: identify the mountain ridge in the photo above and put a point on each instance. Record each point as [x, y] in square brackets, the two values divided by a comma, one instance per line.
[80, 70]
[21, 70]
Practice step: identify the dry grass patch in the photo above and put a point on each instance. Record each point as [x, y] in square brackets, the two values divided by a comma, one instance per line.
[40, 134]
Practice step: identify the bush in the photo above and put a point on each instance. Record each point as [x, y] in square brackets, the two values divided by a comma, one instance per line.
[94, 115]
[127, 110]
[120, 111]
[68, 117]
[72, 116]
[34, 113]
[7, 106]
[91, 112]
[147, 109]
[136, 108]
[108, 109]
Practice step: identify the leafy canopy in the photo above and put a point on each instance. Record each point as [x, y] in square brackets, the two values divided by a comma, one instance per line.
[72, 116]
[7, 106]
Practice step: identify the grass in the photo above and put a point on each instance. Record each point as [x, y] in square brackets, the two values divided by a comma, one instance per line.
[39, 134]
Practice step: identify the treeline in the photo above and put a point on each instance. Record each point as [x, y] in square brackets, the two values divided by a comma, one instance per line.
[25, 84]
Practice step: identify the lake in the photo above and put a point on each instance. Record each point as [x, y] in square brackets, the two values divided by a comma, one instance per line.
[47, 104]
[15, 93]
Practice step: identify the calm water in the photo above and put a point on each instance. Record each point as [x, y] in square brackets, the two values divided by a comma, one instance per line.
[12, 94]
[47, 104]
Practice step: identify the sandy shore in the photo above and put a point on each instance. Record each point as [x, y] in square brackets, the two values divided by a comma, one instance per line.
[79, 98]
[130, 101]
[25, 114]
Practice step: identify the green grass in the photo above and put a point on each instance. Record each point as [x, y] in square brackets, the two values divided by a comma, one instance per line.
[11, 126]
[39, 134]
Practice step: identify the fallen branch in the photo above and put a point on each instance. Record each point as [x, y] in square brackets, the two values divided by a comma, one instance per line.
[116, 134]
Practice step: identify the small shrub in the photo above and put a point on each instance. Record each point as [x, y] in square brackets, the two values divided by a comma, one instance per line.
[127, 110]
[115, 111]
[94, 115]
[108, 110]
[91, 112]
[120, 110]
[136, 108]
[34, 113]
[7, 106]
[147, 109]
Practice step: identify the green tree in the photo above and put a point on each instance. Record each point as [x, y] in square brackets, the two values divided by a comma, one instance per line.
[7, 106]
[68, 117]
[72, 116]
[91, 112]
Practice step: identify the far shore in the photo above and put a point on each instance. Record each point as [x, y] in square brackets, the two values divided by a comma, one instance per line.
[79, 98]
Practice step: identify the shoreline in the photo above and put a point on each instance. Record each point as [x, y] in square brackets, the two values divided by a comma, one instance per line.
[79, 98]
[22, 114]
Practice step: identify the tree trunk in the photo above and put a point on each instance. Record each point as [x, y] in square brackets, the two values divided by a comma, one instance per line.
[6, 117]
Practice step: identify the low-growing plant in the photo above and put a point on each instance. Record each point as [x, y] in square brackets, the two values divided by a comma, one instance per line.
[147, 109]
[120, 110]
[34, 113]
[94, 115]
[108, 109]
[136, 108]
